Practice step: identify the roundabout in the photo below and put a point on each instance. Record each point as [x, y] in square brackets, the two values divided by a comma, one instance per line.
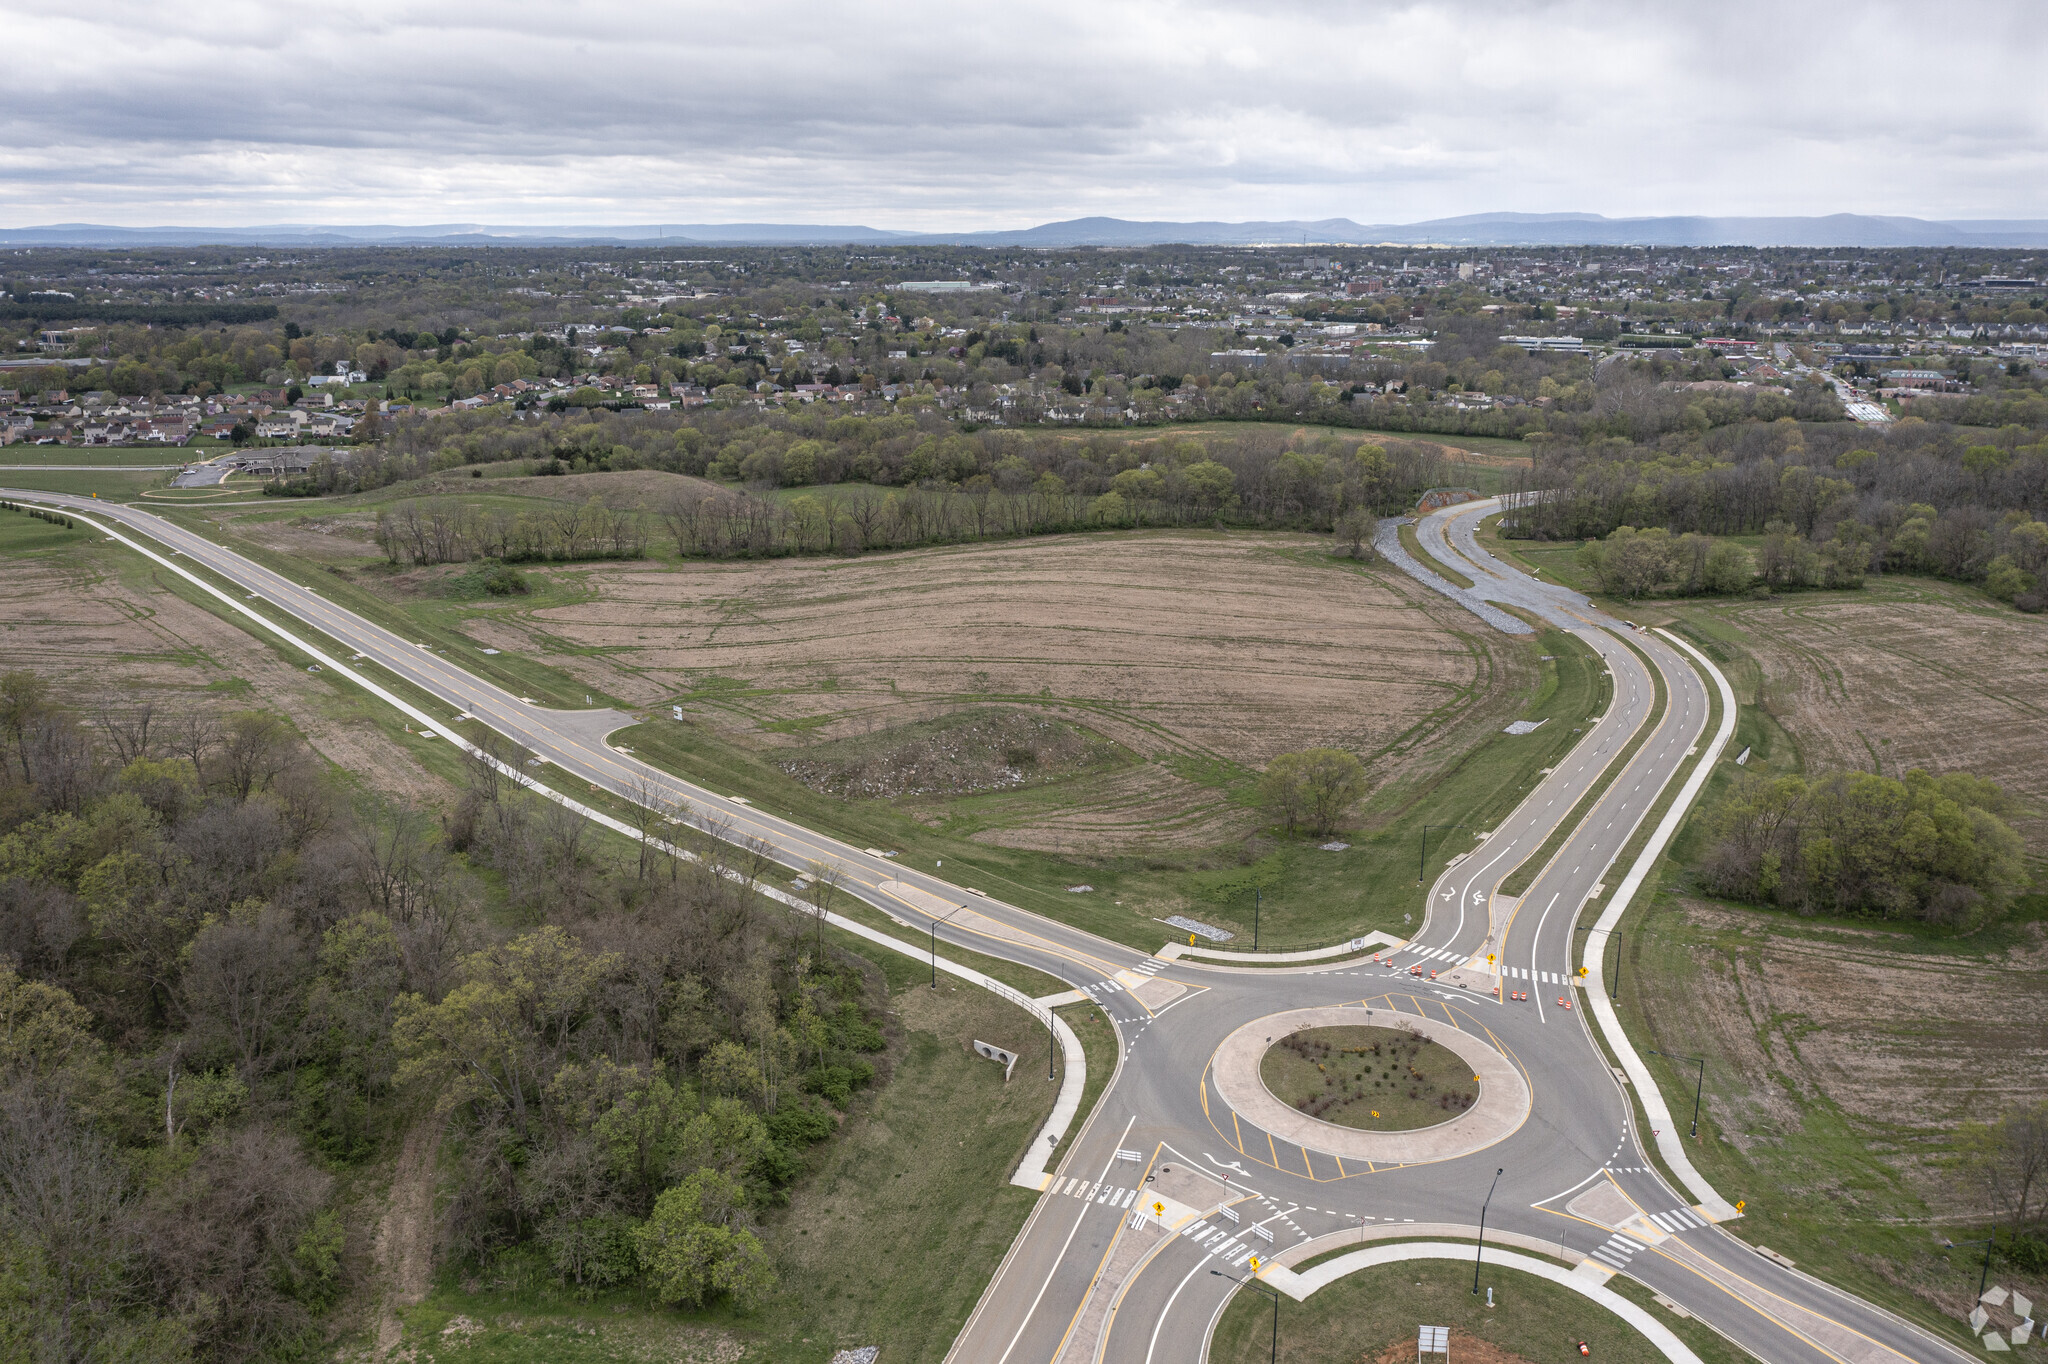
[1503, 1104]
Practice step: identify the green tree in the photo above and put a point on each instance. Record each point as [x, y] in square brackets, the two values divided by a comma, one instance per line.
[1313, 789]
[1728, 570]
[696, 1246]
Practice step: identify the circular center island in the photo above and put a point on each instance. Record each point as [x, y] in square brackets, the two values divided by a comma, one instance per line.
[1370, 1078]
[1310, 1077]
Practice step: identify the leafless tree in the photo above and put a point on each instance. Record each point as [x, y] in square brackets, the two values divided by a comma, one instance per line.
[820, 892]
[128, 730]
[255, 748]
[246, 980]
[194, 737]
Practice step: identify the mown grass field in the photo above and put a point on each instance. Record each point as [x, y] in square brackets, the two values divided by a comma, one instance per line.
[1306, 895]
[118, 484]
[113, 457]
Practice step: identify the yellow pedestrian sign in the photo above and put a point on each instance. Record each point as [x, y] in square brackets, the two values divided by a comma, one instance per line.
[1159, 1210]
[1255, 1264]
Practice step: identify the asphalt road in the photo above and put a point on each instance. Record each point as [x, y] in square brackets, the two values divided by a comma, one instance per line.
[1074, 1260]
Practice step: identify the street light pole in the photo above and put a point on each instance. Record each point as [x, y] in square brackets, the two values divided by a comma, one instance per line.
[1481, 1250]
[1422, 853]
[1269, 1292]
[935, 944]
[1698, 1089]
[1984, 1276]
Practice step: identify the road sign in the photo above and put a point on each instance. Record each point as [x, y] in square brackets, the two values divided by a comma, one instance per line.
[1255, 1264]
[1159, 1209]
[1433, 1340]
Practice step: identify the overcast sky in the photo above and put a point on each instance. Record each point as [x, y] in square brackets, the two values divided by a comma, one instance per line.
[952, 116]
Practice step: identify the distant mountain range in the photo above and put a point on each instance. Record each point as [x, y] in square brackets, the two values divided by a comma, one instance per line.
[1479, 229]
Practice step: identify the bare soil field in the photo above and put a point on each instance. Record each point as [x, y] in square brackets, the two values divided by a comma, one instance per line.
[1192, 650]
[1841, 1065]
[105, 629]
[1899, 1039]
[1909, 674]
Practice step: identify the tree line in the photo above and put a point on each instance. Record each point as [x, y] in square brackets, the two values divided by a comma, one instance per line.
[976, 490]
[1928, 849]
[223, 986]
[1834, 505]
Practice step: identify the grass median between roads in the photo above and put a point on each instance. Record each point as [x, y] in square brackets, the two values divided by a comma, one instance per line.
[1371, 1316]
[1522, 877]
[1412, 542]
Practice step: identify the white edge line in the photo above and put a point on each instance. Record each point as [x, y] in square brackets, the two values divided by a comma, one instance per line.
[1669, 1144]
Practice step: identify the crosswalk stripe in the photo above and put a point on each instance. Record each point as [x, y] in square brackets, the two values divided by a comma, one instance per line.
[1129, 1194]
[1196, 1229]
[1633, 1246]
[1665, 1222]
[1602, 1258]
[1685, 1219]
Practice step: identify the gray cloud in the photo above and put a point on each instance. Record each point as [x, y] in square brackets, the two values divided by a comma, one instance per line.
[942, 116]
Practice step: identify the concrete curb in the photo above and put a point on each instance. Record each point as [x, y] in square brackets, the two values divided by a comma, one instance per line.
[1504, 1098]
[1300, 1286]
[1030, 1173]
[1175, 951]
[1669, 1144]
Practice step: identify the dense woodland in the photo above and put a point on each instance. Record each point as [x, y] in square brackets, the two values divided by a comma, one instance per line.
[1930, 849]
[923, 487]
[1835, 502]
[224, 986]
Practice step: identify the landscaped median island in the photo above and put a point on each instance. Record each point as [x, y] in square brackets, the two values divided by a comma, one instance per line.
[1374, 1079]
[1371, 1316]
